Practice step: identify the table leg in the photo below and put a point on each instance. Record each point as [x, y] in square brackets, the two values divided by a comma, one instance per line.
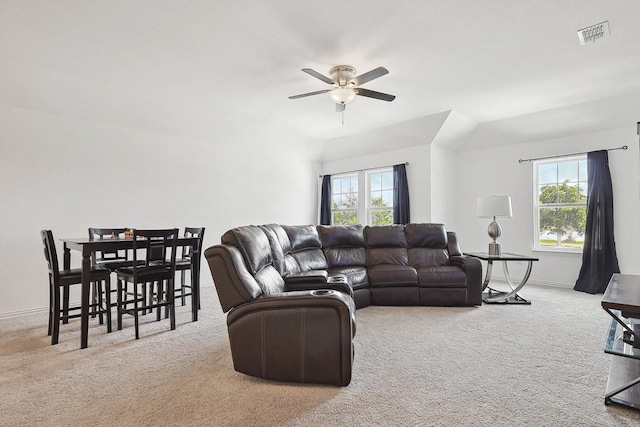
[487, 277]
[511, 297]
[86, 285]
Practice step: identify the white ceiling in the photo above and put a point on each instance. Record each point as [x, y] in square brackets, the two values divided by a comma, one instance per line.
[510, 66]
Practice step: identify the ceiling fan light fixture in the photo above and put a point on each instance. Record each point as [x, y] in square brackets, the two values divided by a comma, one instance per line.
[342, 95]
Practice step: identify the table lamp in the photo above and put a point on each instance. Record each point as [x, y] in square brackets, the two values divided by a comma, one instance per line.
[492, 207]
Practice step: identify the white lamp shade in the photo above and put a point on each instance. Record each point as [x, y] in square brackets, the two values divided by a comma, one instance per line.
[342, 95]
[490, 206]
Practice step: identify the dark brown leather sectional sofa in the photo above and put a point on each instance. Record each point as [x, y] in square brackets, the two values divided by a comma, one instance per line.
[292, 291]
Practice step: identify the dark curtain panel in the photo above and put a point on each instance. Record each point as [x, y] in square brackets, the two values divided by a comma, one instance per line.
[400, 195]
[599, 259]
[325, 201]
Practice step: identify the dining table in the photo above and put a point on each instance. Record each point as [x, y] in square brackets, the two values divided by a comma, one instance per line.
[87, 247]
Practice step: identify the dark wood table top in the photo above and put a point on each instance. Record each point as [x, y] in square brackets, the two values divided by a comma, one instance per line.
[622, 293]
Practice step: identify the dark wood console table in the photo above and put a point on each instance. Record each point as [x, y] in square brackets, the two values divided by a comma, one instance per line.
[622, 301]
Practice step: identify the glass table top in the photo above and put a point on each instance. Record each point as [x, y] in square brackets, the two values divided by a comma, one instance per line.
[619, 341]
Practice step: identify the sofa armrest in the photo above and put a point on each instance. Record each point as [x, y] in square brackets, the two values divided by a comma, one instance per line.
[317, 279]
[300, 336]
[234, 282]
[473, 269]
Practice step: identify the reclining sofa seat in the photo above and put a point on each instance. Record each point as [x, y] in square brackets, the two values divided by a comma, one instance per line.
[300, 336]
[345, 252]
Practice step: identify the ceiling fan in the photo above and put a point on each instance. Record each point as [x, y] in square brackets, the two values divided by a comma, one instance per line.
[345, 85]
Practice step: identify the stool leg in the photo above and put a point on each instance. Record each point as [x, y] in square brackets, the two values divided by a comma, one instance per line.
[107, 306]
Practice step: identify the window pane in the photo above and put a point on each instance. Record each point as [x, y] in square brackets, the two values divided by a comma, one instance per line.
[548, 173]
[548, 194]
[387, 198]
[566, 223]
[568, 171]
[584, 191]
[349, 217]
[382, 217]
[569, 193]
[387, 181]
[375, 181]
[582, 170]
[353, 184]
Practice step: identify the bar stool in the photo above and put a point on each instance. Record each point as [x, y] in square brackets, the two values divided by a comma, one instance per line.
[153, 267]
[64, 279]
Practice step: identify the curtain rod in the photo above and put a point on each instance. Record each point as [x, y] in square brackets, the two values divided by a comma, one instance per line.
[366, 169]
[624, 147]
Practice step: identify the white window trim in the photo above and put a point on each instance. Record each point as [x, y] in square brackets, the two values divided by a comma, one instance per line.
[364, 211]
[536, 206]
[345, 175]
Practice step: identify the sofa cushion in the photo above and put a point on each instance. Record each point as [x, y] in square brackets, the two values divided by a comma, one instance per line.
[306, 249]
[432, 236]
[280, 245]
[270, 280]
[426, 257]
[345, 257]
[302, 237]
[388, 236]
[377, 256]
[392, 275]
[333, 236]
[343, 245]
[442, 277]
[253, 244]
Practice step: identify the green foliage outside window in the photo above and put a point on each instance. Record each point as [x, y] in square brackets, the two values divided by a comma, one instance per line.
[565, 223]
[381, 216]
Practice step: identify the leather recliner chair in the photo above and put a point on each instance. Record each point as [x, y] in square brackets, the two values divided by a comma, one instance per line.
[277, 331]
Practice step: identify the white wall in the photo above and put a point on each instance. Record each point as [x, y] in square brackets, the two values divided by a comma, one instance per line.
[444, 175]
[497, 171]
[67, 174]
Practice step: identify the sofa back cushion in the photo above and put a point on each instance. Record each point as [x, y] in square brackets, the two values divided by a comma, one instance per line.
[306, 249]
[343, 245]
[428, 245]
[256, 251]
[386, 245]
[280, 245]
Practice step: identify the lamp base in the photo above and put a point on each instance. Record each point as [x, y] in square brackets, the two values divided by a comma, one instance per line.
[494, 249]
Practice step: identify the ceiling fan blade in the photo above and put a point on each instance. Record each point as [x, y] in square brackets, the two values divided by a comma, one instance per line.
[317, 75]
[369, 75]
[302, 95]
[373, 94]
[340, 108]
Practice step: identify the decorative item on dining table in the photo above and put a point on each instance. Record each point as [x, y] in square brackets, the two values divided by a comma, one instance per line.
[491, 207]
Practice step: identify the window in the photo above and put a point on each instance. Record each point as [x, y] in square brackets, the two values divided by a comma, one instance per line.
[380, 193]
[344, 199]
[560, 203]
[364, 197]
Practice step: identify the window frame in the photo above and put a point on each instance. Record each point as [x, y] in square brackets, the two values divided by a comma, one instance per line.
[364, 209]
[339, 177]
[537, 205]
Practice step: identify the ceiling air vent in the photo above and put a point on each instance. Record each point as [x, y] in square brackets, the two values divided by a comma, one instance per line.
[593, 33]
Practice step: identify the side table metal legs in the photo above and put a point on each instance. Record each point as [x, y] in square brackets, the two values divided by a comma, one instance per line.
[492, 296]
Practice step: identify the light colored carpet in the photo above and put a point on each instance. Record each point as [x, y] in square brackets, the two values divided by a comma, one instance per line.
[538, 365]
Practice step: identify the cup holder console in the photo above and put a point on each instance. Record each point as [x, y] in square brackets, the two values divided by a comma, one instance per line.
[319, 292]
